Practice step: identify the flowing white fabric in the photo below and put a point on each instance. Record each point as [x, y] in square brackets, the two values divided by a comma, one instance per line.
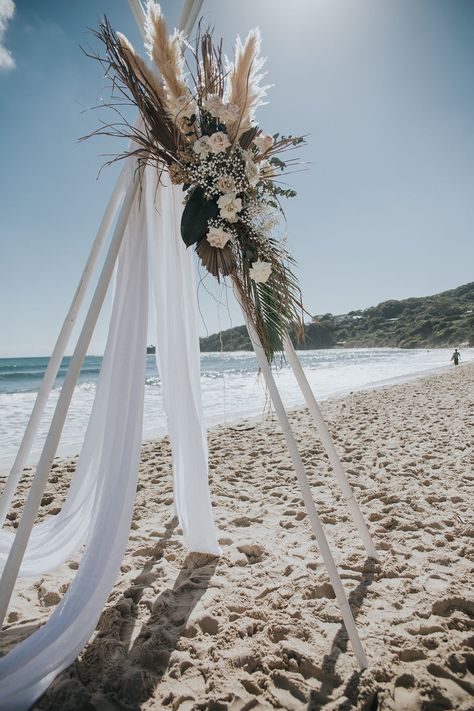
[99, 505]
[178, 361]
[57, 539]
[54, 541]
[109, 462]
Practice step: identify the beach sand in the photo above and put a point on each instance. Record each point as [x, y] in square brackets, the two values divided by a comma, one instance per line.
[259, 627]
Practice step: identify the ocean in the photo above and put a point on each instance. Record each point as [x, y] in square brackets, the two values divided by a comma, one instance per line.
[231, 385]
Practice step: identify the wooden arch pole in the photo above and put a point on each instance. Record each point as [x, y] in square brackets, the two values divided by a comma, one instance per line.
[40, 480]
[57, 355]
[330, 449]
[188, 18]
[125, 183]
[306, 492]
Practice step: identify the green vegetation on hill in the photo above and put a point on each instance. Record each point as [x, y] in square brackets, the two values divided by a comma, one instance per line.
[445, 319]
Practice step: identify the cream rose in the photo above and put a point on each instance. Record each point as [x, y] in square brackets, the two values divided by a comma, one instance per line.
[263, 142]
[260, 271]
[202, 147]
[229, 205]
[252, 172]
[226, 184]
[228, 113]
[217, 237]
[218, 142]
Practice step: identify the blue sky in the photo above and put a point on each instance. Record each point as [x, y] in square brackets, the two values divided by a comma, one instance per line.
[383, 88]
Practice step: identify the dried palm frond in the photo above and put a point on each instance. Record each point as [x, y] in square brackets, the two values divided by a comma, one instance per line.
[219, 262]
[274, 307]
[211, 66]
[158, 139]
[245, 89]
[165, 52]
[144, 74]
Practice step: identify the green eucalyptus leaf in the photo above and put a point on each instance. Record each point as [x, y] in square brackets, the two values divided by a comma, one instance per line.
[277, 162]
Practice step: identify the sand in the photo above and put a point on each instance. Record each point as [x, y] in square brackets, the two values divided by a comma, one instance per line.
[259, 627]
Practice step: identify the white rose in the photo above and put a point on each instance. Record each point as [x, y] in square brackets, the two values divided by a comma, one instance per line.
[260, 271]
[252, 172]
[229, 205]
[184, 106]
[217, 237]
[214, 105]
[263, 142]
[202, 147]
[230, 113]
[226, 184]
[218, 142]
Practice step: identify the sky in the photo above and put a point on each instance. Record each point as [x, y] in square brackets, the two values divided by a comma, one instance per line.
[385, 205]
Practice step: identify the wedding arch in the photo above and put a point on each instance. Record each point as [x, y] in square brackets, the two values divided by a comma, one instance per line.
[145, 216]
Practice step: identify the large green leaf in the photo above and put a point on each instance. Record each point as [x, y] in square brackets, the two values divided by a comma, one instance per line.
[197, 212]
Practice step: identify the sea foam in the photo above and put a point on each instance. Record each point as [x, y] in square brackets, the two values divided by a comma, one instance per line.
[232, 388]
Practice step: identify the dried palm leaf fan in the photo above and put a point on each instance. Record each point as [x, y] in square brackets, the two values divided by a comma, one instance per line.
[218, 262]
[202, 129]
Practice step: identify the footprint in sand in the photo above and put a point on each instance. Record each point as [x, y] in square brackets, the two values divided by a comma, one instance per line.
[446, 606]
[287, 524]
[320, 591]
[411, 655]
[209, 625]
[253, 551]
[245, 521]
[405, 695]
[434, 584]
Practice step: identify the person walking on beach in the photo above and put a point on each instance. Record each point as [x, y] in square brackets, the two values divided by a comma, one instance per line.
[456, 357]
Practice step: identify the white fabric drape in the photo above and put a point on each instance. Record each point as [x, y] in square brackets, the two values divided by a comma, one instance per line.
[99, 505]
[57, 539]
[109, 464]
[178, 361]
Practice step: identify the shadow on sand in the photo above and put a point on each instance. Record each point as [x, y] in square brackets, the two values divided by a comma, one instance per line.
[123, 665]
[339, 646]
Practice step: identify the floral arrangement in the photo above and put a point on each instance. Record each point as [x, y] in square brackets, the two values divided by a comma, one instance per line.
[199, 125]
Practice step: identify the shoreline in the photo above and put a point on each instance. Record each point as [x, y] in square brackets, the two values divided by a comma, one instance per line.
[70, 450]
[259, 627]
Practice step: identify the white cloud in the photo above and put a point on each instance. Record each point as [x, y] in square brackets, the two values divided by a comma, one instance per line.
[7, 10]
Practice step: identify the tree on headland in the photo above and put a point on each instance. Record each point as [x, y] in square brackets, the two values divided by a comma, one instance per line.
[445, 319]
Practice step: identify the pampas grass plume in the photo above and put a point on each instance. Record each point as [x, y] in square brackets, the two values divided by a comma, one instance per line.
[165, 52]
[245, 89]
[140, 68]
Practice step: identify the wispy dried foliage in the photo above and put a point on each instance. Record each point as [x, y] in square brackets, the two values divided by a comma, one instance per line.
[157, 138]
[146, 76]
[165, 52]
[208, 141]
[245, 87]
